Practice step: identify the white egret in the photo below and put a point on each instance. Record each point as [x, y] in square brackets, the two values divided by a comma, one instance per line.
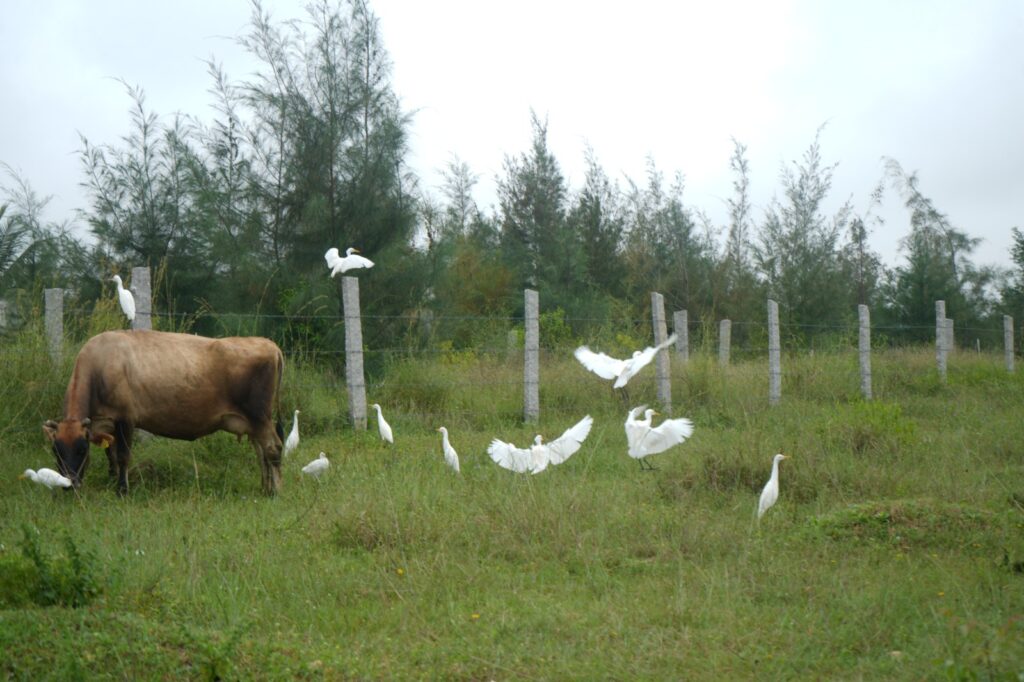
[48, 477]
[537, 457]
[292, 441]
[771, 489]
[645, 439]
[451, 458]
[125, 297]
[351, 261]
[317, 466]
[622, 371]
[383, 426]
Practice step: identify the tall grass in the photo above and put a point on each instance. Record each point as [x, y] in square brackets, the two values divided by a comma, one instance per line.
[895, 550]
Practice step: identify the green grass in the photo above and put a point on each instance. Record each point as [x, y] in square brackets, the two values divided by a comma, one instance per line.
[895, 551]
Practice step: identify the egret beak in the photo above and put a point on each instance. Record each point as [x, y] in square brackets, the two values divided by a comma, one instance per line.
[355, 250]
[22, 477]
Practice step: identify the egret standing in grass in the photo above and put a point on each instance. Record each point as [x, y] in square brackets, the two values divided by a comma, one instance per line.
[292, 441]
[125, 298]
[451, 458]
[645, 439]
[48, 477]
[317, 467]
[351, 261]
[770, 494]
[383, 426]
[537, 457]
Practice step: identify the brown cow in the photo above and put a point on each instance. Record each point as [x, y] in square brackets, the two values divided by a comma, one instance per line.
[173, 385]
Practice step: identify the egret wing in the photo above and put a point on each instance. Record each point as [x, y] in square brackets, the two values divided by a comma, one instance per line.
[569, 442]
[510, 457]
[600, 364]
[634, 430]
[769, 496]
[658, 439]
[352, 262]
[127, 303]
[640, 360]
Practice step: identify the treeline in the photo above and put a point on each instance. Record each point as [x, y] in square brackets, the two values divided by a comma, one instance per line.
[234, 215]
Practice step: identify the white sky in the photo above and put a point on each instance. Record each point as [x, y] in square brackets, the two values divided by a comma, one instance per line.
[939, 86]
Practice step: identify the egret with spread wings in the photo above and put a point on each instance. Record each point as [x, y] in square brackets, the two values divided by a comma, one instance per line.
[645, 439]
[537, 457]
[351, 260]
[622, 371]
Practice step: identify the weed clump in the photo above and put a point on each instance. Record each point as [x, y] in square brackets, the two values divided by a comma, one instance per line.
[904, 522]
[38, 578]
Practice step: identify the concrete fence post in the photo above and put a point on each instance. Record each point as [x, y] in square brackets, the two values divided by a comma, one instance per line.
[681, 326]
[53, 300]
[1008, 342]
[355, 381]
[950, 341]
[940, 339]
[661, 360]
[531, 357]
[864, 350]
[141, 289]
[724, 340]
[774, 355]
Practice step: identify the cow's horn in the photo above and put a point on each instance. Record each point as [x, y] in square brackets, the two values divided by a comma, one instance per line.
[86, 422]
[50, 424]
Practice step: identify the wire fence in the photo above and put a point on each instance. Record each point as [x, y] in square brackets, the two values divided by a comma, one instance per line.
[503, 360]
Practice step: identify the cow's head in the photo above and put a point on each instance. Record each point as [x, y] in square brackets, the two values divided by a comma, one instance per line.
[70, 440]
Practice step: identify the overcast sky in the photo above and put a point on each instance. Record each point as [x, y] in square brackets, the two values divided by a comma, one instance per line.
[938, 86]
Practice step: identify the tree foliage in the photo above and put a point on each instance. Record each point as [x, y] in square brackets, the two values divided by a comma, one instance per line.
[310, 151]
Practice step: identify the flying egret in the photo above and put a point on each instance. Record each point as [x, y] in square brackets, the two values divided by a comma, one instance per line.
[622, 371]
[125, 297]
[537, 457]
[351, 261]
[383, 426]
[48, 477]
[451, 458]
[646, 440]
[317, 466]
[771, 489]
[292, 441]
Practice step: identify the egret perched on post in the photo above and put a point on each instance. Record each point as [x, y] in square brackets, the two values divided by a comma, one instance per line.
[317, 466]
[537, 457]
[126, 299]
[292, 441]
[48, 477]
[383, 426]
[351, 261]
[770, 494]
[646, 440]
[451, 458]
[622, 371]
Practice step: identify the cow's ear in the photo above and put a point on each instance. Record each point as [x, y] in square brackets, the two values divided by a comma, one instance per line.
[50, 429]
[104, 440]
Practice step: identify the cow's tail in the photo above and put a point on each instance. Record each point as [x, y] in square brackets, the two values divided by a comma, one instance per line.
[278, 426]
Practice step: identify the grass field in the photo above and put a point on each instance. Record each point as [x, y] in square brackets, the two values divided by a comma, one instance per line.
[896, 550]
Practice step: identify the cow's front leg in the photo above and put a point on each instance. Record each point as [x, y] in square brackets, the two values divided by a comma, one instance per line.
[122, 454]
[111, 462]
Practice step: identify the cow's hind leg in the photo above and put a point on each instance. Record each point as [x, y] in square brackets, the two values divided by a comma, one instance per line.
[268, 450]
